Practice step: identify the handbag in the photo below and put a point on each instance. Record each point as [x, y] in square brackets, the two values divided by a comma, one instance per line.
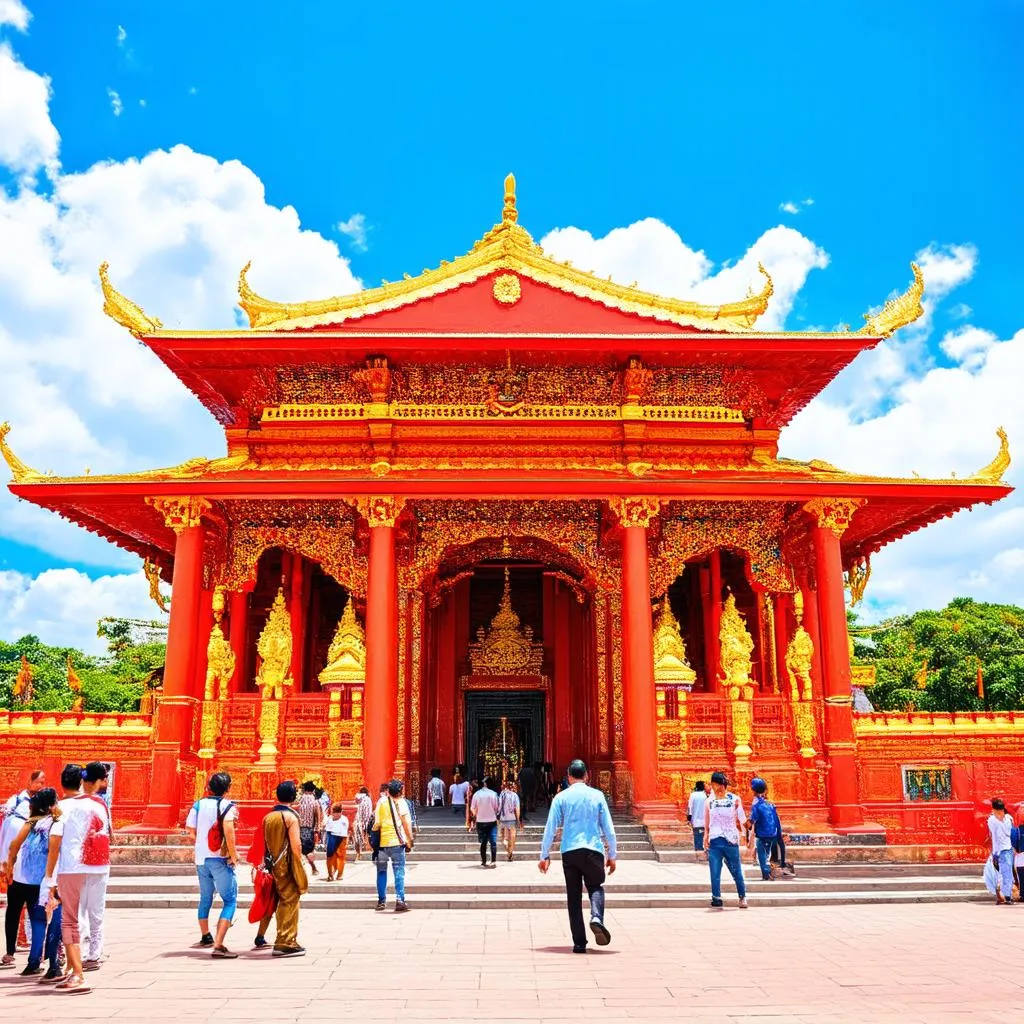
[265, 896]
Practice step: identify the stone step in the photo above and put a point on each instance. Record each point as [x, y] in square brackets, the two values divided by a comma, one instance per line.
[617, 902]
[868, 854]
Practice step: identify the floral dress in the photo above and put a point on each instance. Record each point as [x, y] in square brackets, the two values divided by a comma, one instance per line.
[361, 823]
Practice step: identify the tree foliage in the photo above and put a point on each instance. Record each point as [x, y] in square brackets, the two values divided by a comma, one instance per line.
[930, 660]
[110, 683]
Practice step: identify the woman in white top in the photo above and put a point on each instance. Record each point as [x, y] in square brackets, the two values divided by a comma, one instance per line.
[723, 823]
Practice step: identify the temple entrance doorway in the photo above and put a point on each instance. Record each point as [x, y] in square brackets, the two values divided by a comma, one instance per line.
[504, 731]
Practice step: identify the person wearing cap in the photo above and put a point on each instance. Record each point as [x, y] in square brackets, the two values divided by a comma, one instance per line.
[765, 824]
[586, 823]
[723, 821]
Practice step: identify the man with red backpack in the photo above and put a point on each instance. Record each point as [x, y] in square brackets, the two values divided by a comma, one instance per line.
[211, 821]
[79, 861]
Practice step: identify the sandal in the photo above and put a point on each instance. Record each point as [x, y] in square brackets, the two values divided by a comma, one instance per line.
[72, 984]
[7, 962]
[223, 953]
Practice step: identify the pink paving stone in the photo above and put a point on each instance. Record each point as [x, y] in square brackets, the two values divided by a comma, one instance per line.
[904, 964]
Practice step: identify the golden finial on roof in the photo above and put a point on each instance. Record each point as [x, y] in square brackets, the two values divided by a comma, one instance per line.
[20, 473]
[670, 663]
[346, 658]
[993, 472]
[898, 312]
[509, 214]
[275, 650]
[122, 310]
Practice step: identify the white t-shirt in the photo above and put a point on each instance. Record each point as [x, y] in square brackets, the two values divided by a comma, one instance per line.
[695, 808]
[724, 816]
[15, 815]
[485, 806]
[999, 829]
[43, 825]
[202, 817]
[337, 827]
[457, 791]
[80, 816]
[435, 790]
[508, 805]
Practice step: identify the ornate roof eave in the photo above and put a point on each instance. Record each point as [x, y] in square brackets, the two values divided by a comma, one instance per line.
[21, 473]
[897, 312]
[506, 247]
[122, 310]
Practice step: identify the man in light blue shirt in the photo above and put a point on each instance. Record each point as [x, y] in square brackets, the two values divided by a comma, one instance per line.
[582, 814]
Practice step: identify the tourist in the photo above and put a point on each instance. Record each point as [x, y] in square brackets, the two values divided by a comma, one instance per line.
[509, 816]
[391, 820]
[336, 830]
[474, 786]
[410, 802]
[695, 816]
[1018, 849]
[15, 814]
[80, 857]
[311, 821]
[94, 896]
[283, 858]
[211, 821]
[457, 794]
[361, 820]
[1000, 827]
[528, 787]
[588, 847]
[765, 824]
[435, 789]
[26, 867]
[723, 819]
[484, 811]
[325, 801]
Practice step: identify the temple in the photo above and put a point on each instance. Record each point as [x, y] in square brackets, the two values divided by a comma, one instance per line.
[507, 511]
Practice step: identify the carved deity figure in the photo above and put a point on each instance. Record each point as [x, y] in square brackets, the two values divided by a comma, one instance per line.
[737, 647]
[275, 650]
[346, 657]
[670, 662]
[220, 665]
[799, 655]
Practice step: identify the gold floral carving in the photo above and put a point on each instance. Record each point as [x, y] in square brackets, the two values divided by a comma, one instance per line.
[799, 655]
[833, 514]
[804, 727]
[507, 247]
[415, 670]
[670, 662]
[691, 529]
[857, 577]
[635, 511]
[269, 731]
[507, 289]
[380, 510]
[182, 513]
[601, 655]
[346, 657]
[275, 650]
[897, 312]
[742, 728]
[618, 736]
[122, 310]
[403, 672]
[506, 647]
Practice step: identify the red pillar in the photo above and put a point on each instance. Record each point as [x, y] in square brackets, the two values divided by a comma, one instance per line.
[831, 519]
[297, 611]
[812, 626]
[380, 697]
[640, 706]
[564, 751]
[715, 648]
[176, 712]
[780, 623]
[204, 623]
[444, 681]
[238, 623]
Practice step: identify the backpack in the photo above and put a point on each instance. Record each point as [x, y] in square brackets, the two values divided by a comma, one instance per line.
[1017, 838]
[34, 853]
[764, 815]
[215, 838]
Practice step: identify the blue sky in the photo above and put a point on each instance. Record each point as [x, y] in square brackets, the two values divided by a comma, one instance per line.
[901, 122]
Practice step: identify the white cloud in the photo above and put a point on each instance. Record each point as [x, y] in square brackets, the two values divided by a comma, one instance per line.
[29, 141]
[15, 13]
[355, 229]
[790, 207]
[652, 254]
[115, 101]
[122, 35]
[63, 606]
[961, 311]
[968, 346]
[142, 103]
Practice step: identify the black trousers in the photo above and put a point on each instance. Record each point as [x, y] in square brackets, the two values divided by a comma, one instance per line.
[583, 867]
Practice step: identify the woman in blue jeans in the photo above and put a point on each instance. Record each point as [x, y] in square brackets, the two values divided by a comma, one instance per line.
[212, 824]
[26, 867]
[723, 822]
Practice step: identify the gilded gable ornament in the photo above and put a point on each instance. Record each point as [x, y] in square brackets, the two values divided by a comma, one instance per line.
[346, 658]
[507, 647]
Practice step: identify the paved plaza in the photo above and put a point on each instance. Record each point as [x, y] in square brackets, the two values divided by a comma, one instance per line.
[909, 964]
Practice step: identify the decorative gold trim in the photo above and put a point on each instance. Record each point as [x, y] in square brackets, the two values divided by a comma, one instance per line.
[180, 513]
[833, 513]
[507, 289]
[993, 472]
[897, 312]
[122, 310]
[638, 511]
[380, 510]
[20, 472]
[506, 247]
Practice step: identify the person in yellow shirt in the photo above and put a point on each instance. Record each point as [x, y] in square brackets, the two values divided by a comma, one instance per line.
[392, 819]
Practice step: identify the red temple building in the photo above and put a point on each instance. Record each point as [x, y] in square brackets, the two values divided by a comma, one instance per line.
[504, 512]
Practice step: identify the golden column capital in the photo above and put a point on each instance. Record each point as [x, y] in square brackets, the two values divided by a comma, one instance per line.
[833, 513]
[380, 510]
[181, 513]
[635, 511]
